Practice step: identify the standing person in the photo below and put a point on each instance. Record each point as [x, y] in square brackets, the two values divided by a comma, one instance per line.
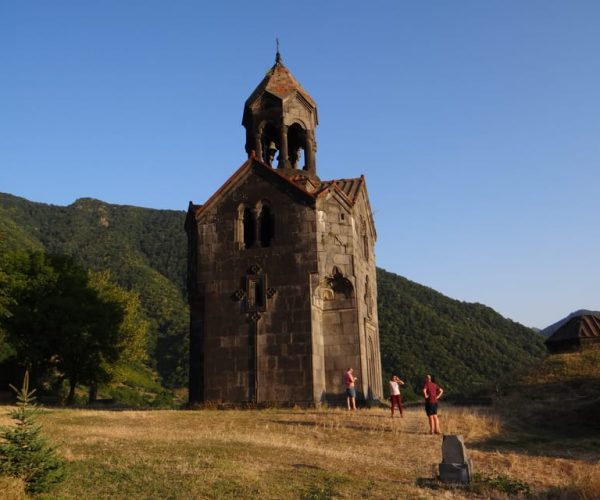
[349, 380]
[432, 392]
[395, 383]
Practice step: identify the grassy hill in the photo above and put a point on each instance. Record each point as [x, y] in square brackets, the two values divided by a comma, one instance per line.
[293, 454]
[558, 395]
[466, 345]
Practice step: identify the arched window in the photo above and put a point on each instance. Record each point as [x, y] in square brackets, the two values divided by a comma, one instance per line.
[249, 228]
[266, 227]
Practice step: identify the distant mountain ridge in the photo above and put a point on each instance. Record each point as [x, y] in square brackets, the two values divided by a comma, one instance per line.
[467, 346]
[421, 330]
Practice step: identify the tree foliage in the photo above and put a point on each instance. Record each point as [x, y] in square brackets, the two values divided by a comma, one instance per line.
[67, 323]
[131, 342]
[144, 249]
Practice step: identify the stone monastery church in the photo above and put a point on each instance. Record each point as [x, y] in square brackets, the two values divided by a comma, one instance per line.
[281, 268]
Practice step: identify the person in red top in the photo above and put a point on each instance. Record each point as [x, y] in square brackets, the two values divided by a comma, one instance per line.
[349, 380]
[432, 392]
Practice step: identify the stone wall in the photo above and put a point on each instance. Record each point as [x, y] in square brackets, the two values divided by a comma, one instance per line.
[337, 303]
[281, 320]
[366, 284]
[282, 367]
[345, 244]
[364, 270]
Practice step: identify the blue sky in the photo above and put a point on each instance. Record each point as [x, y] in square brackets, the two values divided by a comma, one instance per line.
[476, 124]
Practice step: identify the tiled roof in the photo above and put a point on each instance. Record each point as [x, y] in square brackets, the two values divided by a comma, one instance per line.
[250, 163]
[586, 326]
[279, 82]
[350, 187]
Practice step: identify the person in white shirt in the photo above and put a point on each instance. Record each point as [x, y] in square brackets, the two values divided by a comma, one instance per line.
[395, 384]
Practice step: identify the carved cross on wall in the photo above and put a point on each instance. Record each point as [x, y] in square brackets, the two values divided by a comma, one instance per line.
[254, 294]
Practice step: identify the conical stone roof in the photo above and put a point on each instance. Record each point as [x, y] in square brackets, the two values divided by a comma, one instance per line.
[279, 82]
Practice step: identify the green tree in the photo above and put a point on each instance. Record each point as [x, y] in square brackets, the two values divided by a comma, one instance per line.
[30, 282]
[68, 322]
[6, 349]
[4, 296]
[145, 250]
[132, 338]
[23, 451]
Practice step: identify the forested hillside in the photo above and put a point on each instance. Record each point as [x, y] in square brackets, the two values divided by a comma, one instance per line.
[465, 345]
[143, 248]
[421, 330]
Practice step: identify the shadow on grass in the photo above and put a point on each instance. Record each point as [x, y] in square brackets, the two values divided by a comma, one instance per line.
[554, 412]
[306, 466]
[332, 425]
[539, 442]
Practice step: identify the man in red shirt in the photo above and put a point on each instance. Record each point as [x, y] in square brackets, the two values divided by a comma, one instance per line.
[349, 380]
[432, 392]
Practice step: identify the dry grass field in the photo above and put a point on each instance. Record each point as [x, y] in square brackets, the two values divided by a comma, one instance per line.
[303, 454]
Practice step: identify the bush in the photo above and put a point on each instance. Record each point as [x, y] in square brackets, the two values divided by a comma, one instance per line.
[163, 399]
[128, 396]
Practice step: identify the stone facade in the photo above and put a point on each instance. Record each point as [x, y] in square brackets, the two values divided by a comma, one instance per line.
[281, 268]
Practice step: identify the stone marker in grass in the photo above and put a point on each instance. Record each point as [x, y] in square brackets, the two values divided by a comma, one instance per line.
[455, 466]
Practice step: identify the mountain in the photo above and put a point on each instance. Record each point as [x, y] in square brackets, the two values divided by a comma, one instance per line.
[144, 249]
[465, 345]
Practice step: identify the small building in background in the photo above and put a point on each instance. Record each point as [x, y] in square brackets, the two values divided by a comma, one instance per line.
[577, 332]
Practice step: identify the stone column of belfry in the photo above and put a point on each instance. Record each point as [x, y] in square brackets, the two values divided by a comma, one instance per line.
[258, 147]
[309, 152]
[284, 161]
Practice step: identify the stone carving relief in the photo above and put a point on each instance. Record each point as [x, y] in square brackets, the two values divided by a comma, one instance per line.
[326, 293]
[254, 293]
[368, 298]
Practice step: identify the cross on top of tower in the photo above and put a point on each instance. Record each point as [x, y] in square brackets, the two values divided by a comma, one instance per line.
[277, 54]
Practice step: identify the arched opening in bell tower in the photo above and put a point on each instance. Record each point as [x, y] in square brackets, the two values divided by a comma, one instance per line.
[296, 144]
[270, 143]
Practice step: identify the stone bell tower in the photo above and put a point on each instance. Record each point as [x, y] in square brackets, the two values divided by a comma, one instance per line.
[281, 268]
[281, 117]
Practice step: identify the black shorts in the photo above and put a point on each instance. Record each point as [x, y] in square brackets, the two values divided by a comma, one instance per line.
[431, 409]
